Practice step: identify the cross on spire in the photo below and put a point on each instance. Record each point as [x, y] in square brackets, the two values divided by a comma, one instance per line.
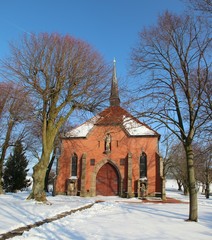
[114, 94]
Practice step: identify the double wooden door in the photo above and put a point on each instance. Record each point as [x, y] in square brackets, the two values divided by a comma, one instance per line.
[107, 183]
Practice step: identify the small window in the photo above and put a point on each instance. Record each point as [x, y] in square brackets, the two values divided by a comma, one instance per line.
[122, 161]
[74, 165]
[92, 162]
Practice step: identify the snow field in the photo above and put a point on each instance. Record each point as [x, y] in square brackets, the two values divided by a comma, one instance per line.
[115, 218]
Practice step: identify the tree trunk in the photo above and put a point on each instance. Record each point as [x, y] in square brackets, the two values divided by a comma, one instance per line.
[49, 170]
[203, 188]
[193, 206]
[38, 193]
[179, 185]
[207, 184]
[39, 172]
[207, 191]
[185, 190]
[1, 175]
[3, 152]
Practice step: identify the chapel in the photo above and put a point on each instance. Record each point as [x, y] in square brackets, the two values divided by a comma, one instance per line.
[112, 154]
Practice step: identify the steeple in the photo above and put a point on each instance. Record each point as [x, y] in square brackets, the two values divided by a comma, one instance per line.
[114, 95]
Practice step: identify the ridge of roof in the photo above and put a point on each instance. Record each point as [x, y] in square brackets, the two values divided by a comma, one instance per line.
[117, 115]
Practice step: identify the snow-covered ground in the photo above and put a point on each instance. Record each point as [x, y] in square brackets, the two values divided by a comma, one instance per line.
[115, 218]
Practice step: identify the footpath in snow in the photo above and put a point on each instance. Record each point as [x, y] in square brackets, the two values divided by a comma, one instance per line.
[115, 218]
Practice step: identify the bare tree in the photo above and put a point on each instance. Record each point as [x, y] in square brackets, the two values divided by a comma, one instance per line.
[172, 57]
[204, 6]
[208, 171]
[167, 162]
[15, 109]
[178, 167]
[63, 74]
[203, 159]
[4, 95]
[202, 165]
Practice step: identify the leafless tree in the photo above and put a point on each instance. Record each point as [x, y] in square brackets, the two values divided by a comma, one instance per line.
[63, 74]
[172, 56]
[204, 6]
[178, 167]
[203, 159]
[202, 165]
[15, 110]
[167, 162]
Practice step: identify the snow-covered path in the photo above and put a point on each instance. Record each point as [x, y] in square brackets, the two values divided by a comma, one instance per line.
[114, 219]
[16, 211]
[111, 220]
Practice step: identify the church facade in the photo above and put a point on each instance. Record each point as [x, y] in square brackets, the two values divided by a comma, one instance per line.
[112, 154]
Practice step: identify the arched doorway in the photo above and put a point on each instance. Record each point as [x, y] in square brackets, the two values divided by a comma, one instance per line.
[107, 182]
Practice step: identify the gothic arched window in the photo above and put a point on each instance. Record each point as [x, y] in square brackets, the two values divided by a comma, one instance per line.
[143, 165]
[74, 165]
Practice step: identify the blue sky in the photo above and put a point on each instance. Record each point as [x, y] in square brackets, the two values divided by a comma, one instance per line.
[111, 26]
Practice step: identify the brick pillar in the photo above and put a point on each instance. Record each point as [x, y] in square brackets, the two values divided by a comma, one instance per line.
[82, 189]
[129, 176]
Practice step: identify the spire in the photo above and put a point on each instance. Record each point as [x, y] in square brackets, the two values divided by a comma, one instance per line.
[114, 95]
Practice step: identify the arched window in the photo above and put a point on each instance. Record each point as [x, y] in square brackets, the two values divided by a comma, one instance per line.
[143, 165]
[74, 165]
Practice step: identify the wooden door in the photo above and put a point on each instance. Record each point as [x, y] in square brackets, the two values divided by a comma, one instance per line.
[107, 181]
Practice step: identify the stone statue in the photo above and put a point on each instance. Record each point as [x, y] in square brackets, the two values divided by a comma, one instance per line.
[107, 142]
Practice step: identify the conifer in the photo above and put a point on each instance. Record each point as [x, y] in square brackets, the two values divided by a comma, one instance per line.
[15, 171]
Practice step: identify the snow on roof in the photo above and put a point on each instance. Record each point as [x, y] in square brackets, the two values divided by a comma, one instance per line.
[83, 129]
[114, 115]
[135, 128]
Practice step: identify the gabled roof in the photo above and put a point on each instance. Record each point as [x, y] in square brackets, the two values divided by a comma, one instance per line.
[113, 115]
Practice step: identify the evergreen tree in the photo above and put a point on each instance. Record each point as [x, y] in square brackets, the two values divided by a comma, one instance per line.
[15, 171]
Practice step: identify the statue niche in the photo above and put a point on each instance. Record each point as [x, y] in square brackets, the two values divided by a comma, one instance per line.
[108, 143]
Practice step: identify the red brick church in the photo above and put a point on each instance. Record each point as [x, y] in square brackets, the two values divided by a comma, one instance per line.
[111, 154]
